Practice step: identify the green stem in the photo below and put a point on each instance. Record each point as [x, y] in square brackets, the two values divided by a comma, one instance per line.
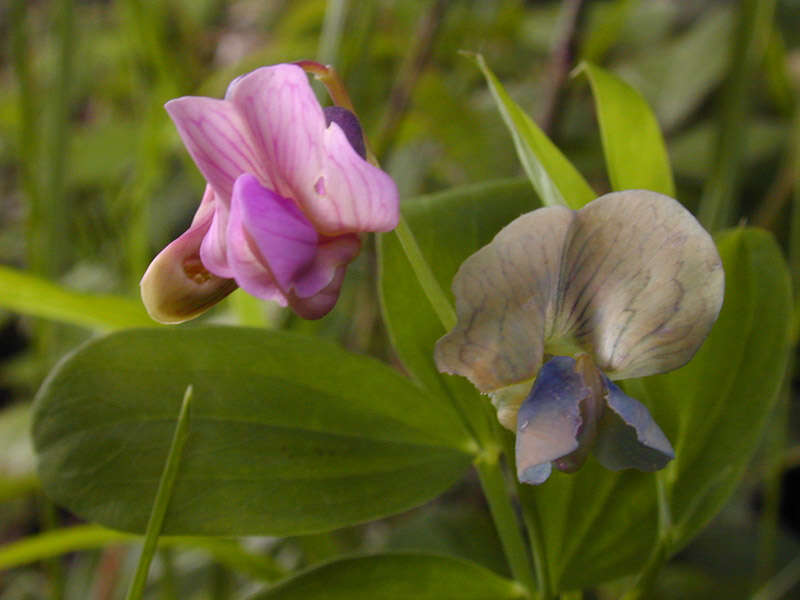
[161, 503]
[494, 488]
[55, 569]
[719, 195]
[433, 291]
[780, 585]
[663, 548]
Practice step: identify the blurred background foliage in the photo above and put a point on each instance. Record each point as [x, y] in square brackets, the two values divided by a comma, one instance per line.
[94, 181]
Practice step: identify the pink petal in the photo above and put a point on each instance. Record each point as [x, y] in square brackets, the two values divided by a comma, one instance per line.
[176, 286]
[277, 231]
[320, 304]
[332, 254]
[218, 139]
[214, 249]
[287, 125]
[352, 195]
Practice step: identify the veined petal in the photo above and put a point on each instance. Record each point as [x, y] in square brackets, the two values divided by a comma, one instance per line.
[550, 421]
[505, 297]
[628, 437]
[214, 249]
[287, 125]
[352, 195]
[632, 279]
[643, 283]
[218, 139]
[176, 286]
[276, 230]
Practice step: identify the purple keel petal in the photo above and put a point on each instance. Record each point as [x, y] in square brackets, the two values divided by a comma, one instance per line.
[176, 286]
[277, 230]
[628, 437]
[352, 195]
[218, 139]
[549, 421]
[287, 125]
[322, 303]
[332, 253]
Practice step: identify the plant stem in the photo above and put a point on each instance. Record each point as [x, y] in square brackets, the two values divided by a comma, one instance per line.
[494, 488]
[161, 503]
[719, 195]
[661, 552]
[433, 291]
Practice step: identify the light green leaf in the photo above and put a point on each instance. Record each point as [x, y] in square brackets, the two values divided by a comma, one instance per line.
[448, 228]
[396, 577]
[554, 178]
[58, 542]
[295, 433]
[32, 295]
[598, 525]
[636, 157]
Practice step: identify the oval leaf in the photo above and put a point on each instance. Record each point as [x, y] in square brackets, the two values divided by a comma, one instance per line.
[288, 434]
[396, 576]
[636, 157]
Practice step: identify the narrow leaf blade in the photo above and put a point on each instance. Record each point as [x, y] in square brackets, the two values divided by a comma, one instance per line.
[636, 157]
[554, 178]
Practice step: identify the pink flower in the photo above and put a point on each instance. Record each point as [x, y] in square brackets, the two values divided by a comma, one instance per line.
[288, 193]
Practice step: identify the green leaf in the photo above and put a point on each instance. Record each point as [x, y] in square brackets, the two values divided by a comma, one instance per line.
[554, 178]
[31, 295]
[721, 400]
[58, 542]
[598, 525]
[636, 157]
[396, 577]
[448, 228]
[294, 433]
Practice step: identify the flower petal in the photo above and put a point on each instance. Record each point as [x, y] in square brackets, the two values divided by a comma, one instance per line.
[320, 304]
[218, 139]
[628, 437]
[176, 286]
[643, 284]
[214, 249]
[332, 253]
[287, 125]
[283, 238]
[352, 195]
[632, 279]
[250, 271]
[549, 421]
[505, 298]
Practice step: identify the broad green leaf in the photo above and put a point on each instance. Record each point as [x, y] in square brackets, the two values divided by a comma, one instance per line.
[288, 434]
[32, 295]
[636, 157]
[396, 577]
[58, 542]
[598, 525]
[554, 178]
[721, 400]
[448, 228]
